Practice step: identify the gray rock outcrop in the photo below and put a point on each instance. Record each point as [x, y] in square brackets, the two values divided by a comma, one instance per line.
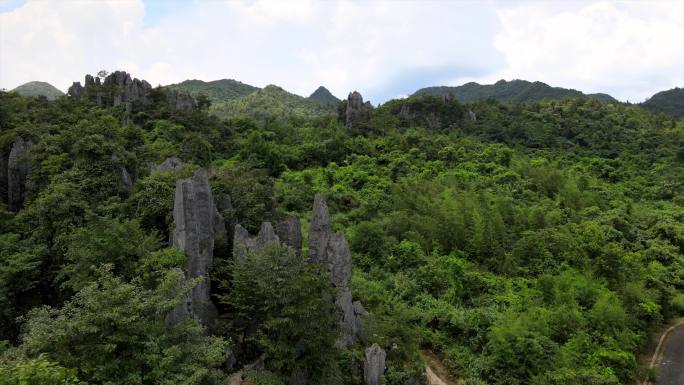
[357, 110]
[198, 225]
[126, 181]
[169, 164]
[289, 230]
[374, 365]
[243, 243]
[119, 88]
[17, 171]
[331, 250]
[181, 101]
[3, 176]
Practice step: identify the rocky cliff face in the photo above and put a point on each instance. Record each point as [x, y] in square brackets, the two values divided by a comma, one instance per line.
[331, 250]
[17, 171]
[198, 225]
[243, 243]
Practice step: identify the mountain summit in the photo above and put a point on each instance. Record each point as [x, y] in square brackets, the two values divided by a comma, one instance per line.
[37, 89]
[323, 95]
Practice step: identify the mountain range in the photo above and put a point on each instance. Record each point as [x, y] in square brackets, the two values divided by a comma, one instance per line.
[231, 98]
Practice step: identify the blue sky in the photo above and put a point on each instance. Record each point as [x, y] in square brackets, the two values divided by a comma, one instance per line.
[383, 49]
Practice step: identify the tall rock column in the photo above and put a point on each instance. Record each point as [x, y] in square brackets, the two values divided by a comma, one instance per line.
[374, 365]
[197, 225]
[331, 250]
[17, 171]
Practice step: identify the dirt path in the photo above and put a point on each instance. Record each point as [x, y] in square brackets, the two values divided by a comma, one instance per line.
[436, 373]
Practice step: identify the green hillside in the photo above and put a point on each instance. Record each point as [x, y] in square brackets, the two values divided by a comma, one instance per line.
[669, 102]
[271, 101]
[536, 243]
[217, 90]
[37, 89]
[513, 91]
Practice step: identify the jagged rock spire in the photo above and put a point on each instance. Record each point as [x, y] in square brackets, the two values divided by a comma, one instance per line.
[198, 224]
[331, 250]
[17, 171]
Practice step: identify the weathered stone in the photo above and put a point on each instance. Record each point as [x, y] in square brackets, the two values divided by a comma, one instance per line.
[197, 226]
[374, 365]
[354, 108]
[76, 90]
[331, 250]
[17, 171]
[3, 175]
[181, 101]
[359, 314]
[243, 243]
[289, 230]
[169, 164]
[472, 116]
[126, 181]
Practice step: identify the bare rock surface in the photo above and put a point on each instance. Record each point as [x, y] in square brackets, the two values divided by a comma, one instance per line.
[17, 171]
[374, 365]
[197, 227]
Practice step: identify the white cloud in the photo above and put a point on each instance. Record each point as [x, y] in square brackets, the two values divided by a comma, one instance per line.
[382, 49]
[630, 50]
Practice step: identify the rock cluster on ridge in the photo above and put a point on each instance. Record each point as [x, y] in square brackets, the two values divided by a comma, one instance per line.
[120, 88]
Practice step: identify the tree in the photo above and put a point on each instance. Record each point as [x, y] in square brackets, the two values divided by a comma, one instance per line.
[283, 309]
[113, 332]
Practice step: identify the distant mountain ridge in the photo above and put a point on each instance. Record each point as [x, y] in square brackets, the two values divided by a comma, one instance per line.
[272, 101]
[509, 91]
[37, 88]
[669, 102]
[217, 90]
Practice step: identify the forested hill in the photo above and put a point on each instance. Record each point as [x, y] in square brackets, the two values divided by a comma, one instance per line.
[272, 101]
[38, 88]
[669, 102]
[509, 91]
[217, 91]
[522, 243]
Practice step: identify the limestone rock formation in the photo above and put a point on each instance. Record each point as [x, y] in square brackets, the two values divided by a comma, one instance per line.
[197, 226]
[120, 88]
[17, 171]
[331, 250]
[356, 110]
[126, 181]
[374, 365]
[169, 164]
[243, 243]
[289, 230]
[181, 101]
[3, 176]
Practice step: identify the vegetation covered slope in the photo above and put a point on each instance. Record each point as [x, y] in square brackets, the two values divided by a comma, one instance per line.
[538, 244]
[324, 96]
[272, 101]
[513, 91]
[38, 89]
[217, 91]
[669, 102]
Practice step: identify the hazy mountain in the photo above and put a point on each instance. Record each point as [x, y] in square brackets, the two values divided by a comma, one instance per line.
[217, 90]
[513, 91]
[272, 101]
[324, 96]
[669, 102]
[37, 89]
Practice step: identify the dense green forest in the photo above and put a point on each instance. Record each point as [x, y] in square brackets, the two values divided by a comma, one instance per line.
[522, 243]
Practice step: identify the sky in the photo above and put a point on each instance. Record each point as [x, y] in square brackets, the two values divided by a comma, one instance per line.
[383, 49]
